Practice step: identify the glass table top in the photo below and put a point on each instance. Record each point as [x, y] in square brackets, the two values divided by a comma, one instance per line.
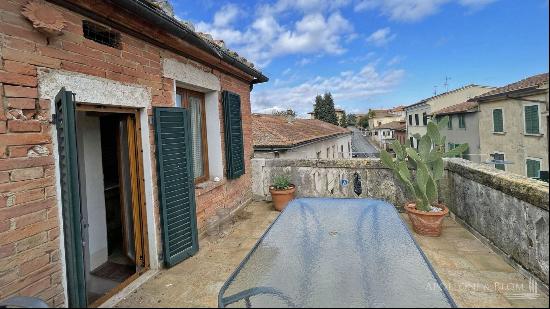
[335, 253]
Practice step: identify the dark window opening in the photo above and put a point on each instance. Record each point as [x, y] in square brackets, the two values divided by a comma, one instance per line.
[425, 119]
[411, 119]
[416, 121]
[101, 34]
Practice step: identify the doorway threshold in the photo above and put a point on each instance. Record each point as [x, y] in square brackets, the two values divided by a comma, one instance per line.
[129, 289]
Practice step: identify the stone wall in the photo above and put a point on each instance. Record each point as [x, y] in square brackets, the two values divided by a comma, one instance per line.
[509, 211]
[323, 178]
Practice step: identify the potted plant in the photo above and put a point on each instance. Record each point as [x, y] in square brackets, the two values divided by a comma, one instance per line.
[426, 212]
[282, 191]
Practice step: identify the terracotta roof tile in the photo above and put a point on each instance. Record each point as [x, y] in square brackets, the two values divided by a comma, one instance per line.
[463, 107]
[394, 125]
[530, 82]
[277, 131]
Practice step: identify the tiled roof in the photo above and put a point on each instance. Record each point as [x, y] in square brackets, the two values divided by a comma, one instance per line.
[445, 93]
[394, 125]
[164, 7]
[524, 84]
[278, 131]
[463, 107]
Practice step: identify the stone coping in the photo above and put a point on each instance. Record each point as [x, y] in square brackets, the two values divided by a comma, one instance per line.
[335, 163]
[529, 190]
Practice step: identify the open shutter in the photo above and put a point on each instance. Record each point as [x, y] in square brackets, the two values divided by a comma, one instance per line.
[234, 146]
[532, 119]
[70, 197]
[176, 184]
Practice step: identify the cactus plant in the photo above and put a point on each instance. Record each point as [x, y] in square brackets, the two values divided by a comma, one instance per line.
[427, 160]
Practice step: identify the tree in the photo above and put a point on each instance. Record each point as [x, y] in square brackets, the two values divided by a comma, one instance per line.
[371, 114]
[288, 112]
[344, 120]
[324, 109]
[352, 120]
[364, 122]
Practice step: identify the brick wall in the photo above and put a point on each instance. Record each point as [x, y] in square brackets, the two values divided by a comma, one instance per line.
[30, 262]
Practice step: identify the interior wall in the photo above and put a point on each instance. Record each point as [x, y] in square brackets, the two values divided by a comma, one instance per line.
[92, 188]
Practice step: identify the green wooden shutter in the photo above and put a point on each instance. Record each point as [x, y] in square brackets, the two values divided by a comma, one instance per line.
[461, 121]
[70, 197]
[498, 124]
[532, 119]
[533, 168]
[176, 184]
[234, 143]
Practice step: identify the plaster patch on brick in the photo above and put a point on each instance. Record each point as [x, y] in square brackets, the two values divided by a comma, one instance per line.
[91, 89]
[190, 75]
[38, 151]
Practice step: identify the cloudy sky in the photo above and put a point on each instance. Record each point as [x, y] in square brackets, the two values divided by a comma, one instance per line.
[376, 53]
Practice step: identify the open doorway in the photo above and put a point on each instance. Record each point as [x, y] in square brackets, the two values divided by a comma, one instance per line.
[112, 211]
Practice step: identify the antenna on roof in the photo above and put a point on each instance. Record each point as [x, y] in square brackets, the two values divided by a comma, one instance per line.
[446, 84]
[435, 90]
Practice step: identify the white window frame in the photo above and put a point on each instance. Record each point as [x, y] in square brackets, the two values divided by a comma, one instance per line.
[533, 159]
[525, 122]
[502, 153]
[493, 121]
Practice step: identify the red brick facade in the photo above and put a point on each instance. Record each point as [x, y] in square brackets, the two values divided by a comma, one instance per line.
[30, 259]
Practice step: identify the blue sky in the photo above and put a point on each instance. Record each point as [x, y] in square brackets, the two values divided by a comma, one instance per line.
[376, 53]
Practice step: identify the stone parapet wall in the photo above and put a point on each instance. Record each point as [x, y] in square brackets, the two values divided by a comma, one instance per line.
[509, 210]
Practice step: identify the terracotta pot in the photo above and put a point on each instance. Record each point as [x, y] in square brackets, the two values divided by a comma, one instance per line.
[282, 197]
[426, 223]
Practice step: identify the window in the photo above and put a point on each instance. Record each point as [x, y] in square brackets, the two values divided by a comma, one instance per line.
[194, 102]
[450, 123]
[498, 121]
[416, 121]
[462, 121]
[341, 151]
[411, 120]
[425, 119]
[531, 114]
[318, 155]
[533, 168]
[101, 34]
[411, 139]
[328, 152]
[499, 157]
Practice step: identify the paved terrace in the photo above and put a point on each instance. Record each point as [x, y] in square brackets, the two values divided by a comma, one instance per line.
[473, 273]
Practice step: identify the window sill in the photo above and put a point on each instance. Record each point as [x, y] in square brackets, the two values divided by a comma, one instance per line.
[499, 133]
[533, 134]
[207, 186]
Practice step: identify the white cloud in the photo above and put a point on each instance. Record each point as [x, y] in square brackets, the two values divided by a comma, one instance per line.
[265, 38]
[226, 15]
[381, 37]
[346, 86]
[414, 10]
[394, 61]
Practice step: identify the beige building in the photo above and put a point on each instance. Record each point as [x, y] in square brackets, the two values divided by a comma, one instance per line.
[293, 138]
[513, 126]
[417, 115]
[385, 116]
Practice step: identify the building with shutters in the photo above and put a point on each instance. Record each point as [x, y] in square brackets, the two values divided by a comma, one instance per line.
[463, 128]
[418, 114]
[122, 131]
[287, 137]
[513, 126]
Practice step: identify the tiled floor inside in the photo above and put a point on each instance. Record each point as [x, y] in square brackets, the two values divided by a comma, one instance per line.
[473, 273]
